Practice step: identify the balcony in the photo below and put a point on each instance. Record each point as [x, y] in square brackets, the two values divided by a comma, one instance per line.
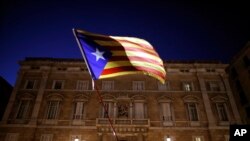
[127, 122]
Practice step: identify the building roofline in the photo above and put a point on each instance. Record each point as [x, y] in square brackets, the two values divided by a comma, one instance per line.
[27, 59]
[53, 59]
[193, 61]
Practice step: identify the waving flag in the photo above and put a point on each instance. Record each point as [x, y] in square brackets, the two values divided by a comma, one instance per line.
[110, 56]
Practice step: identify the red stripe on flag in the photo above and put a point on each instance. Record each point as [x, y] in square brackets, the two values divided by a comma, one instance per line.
[139, 44]
[127, 48]
[132, 68]
[134, 58]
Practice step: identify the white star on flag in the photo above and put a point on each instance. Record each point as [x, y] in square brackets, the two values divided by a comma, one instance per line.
[98, 54]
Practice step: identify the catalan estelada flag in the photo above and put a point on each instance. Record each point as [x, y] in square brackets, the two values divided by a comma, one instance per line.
[110, 56]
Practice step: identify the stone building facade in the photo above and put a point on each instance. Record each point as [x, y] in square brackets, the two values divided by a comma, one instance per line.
[239, 74]
[53, 100]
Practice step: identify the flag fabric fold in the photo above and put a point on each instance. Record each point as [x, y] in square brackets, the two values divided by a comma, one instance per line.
[111, 56]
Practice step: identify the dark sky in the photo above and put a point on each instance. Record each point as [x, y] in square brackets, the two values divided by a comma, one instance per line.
[177, 30]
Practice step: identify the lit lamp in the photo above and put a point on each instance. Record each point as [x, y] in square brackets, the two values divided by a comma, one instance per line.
[168, 138]
[76, 139]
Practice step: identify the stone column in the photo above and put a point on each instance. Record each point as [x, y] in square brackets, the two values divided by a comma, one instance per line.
[130, 110]
[39, 98]
[144, 136]
[100, 136]
[231, 99]
[206, 100]
[115, 110]
[12, 97]
[140, 137]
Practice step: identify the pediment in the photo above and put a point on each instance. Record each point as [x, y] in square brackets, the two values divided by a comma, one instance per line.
[191, 98]
[219, 98]
[55, 96]
[164, 99]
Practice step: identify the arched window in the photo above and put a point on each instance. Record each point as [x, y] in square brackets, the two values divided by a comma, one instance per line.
[24, 107]
[220, 106]
[53, 108]
[107, 110]
[192, 109]
[139, 107]
[79, 107]
[166, 110]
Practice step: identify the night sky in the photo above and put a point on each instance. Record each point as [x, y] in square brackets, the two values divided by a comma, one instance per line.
[178, 31]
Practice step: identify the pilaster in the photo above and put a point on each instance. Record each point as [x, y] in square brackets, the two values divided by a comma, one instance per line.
[231, 99]
[206, 100]
[39, 98]
[12, 97]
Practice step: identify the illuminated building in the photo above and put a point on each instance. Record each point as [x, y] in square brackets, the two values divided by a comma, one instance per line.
[53, 100]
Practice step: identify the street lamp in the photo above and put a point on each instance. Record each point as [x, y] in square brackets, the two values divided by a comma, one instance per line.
[76, 139]
[167, 138]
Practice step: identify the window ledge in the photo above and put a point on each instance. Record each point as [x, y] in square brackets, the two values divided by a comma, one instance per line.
[50, 121]
[194, 123]
[224, 123]
[78, 122]
[168, 123]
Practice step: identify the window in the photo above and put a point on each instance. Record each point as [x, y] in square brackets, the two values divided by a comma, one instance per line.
[84, 69]
[139, 107]
[164, 86]
[46, 137]
[53, 108]
[192, 109]
[166, 114]
[109, 109]
[139, 110]
[78, 110]
[192, 112]
[198, 138]
[82, 85]
[184, 70]
[214, 86]
[24, 109]
[166, 111]
[221, 109]
[107, 85]
[210, 70]
[35, 67]
[30, 84]
[138, 85]
[187, 86]
[12, 137]
[58, 84]
[62, 69]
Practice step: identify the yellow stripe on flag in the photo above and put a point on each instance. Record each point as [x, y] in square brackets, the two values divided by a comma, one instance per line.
[138, 54]
[114, 64]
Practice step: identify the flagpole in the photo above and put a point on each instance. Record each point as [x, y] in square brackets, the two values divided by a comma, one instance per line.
[94, 87]
[106, 112]
[84, 57]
